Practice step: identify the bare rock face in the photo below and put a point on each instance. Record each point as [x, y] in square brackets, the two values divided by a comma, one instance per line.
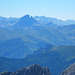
[6, 73]
[31, 70]
[69, 71]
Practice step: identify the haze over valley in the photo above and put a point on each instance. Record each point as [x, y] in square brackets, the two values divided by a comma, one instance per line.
[37, 37]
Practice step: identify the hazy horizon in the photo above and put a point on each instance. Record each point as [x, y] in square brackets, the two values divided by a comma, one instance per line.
[63, 9]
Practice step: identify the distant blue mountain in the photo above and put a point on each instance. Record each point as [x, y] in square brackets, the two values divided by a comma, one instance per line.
[48, 32]
[51, 24]
[41, 36]
[68, 30]
[26, 21]
[14, 48]
[7, 22]
[44, 20]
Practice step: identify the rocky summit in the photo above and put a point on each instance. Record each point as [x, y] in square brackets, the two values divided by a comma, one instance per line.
[31, 70]
[69, 71]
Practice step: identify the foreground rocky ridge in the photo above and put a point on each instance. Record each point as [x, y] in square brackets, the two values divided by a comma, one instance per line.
[31, 70]
[69, 71]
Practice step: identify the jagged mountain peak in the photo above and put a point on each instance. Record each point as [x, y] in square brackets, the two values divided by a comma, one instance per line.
[26, 17]
[31, 70]
[26, 21]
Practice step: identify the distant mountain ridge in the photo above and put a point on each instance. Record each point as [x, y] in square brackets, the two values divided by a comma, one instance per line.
[8, 22]
[18, 48]
[44, 20]
[26, 21]
[34, 35]
[68, 30]
[14, 48]
[51, 42]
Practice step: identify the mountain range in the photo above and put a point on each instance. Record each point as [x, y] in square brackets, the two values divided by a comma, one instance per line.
[25, 22]
[44, 20]
[56, 58]
[7, 22]
[36, 40]
[27, 35]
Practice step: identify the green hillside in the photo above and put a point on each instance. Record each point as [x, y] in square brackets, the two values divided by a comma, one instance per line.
[66, 51]
[68, 30]
[57, 59]
[14, 48]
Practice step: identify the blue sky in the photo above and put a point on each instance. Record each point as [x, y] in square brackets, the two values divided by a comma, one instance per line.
[61, 9]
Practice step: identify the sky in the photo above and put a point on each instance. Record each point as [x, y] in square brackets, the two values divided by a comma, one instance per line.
[61, 9]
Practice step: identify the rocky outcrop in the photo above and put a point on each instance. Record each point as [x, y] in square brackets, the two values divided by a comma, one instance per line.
[69, 71]
[6, 73]
[31, 70]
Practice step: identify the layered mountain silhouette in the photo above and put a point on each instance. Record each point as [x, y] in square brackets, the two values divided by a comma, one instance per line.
[14, 48]
[56, 58]
[40, 35]
[8, 22]
[44, 20]
[51, 24]
[26, 21]
[31, 70]
[68, 30]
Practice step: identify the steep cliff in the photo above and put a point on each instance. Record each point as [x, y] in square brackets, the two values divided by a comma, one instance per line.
[69, 71]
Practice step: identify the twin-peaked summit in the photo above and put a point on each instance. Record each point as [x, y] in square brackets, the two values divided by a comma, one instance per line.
[26, 21]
